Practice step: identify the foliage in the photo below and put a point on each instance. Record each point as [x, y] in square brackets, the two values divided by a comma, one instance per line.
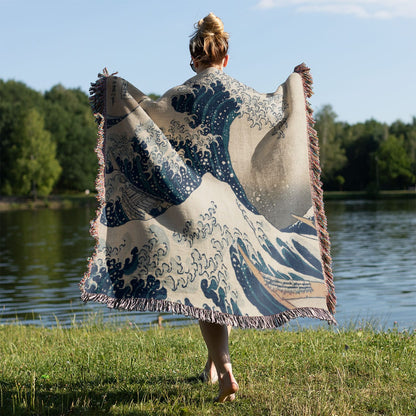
[35, 167]
[365, 156]
[71, 122]
[394, 163]
[104, 369]
[332, 154]
[15, 97]
[358, 157]
[153, 96]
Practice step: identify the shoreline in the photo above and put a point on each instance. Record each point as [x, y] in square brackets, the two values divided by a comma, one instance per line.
[62, 201]
[364, 195]
[67, 201]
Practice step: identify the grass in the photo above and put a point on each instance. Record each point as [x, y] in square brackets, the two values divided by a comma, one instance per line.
[104, 369]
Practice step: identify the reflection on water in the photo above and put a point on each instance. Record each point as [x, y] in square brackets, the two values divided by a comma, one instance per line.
[374, 260]
[43, 258]
[43, 255]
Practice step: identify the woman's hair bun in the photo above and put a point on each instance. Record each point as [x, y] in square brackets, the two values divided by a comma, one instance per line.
[209, 43]
[210, 24]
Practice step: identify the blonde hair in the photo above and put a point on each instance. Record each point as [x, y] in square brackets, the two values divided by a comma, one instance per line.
[209, 43]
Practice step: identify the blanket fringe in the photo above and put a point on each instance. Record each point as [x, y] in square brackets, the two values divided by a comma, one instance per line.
[257, 322]
[97, 103]
[97, 94]
[317, 192]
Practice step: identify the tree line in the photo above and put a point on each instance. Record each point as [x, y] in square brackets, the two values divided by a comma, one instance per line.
[47, 140]
[369, 156]
[47, 143]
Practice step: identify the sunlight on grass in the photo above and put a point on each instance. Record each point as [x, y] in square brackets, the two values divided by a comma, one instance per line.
[119, 369]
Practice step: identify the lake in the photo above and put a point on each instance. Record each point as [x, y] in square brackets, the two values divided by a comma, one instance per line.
[43, 256]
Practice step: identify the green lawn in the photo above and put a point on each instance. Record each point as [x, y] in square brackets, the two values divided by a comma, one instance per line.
[104, 369]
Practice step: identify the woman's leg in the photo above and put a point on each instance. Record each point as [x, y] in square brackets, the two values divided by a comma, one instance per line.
[216, 339]
[209, 374]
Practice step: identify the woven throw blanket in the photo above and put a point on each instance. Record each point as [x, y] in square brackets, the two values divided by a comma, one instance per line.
[210, 202]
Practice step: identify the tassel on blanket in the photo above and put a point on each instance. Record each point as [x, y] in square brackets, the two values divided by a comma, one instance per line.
[317, 192]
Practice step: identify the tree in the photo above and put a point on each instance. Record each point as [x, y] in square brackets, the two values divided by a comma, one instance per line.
[361, 142]
[71, 122]
[35, 167]
[408, 133]
[332, 154]
[153, 96]
[394, 164]
[14, 98]
[8, 119]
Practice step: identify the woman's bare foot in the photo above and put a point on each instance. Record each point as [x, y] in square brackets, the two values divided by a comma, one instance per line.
[228, 388]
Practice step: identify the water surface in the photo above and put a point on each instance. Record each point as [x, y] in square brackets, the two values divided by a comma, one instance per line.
[43, 256]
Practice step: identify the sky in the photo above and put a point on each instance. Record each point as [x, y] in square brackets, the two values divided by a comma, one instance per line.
[362, 53]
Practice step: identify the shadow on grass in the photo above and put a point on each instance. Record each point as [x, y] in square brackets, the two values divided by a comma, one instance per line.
[98, 397]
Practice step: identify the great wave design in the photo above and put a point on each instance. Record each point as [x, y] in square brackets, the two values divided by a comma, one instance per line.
[184, 224]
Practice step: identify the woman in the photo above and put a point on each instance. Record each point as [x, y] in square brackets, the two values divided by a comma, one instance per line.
[211, 204]
[209, 48]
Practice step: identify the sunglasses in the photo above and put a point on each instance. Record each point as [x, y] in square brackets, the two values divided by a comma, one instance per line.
[191, 64]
